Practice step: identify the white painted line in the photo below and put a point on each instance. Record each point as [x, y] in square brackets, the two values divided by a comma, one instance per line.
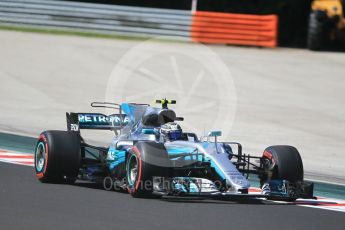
[16, 158]
[324, 182]
[31, 164]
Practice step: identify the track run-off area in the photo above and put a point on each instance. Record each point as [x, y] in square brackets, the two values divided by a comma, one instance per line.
[274, 96]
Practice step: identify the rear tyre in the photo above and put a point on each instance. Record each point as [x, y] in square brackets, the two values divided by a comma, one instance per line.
[282, 162]
[57, 157]
[144, 161]
[317, 34]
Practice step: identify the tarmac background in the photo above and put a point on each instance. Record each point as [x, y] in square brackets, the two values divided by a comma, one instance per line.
[25, 203]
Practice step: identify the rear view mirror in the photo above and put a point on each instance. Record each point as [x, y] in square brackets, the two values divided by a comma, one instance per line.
[149, 131]
[215, 134]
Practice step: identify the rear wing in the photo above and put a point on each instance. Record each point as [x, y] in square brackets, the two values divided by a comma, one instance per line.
[126, 113]
[77, 121]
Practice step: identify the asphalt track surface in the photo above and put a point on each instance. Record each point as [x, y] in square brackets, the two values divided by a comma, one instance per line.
[25, 203]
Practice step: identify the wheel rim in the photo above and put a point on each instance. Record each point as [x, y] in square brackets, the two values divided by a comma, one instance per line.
[132, 170]
[40, 157]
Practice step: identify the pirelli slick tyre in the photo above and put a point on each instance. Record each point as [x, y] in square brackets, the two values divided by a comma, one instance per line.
[144, 161]
[57, 156]
[282, 162]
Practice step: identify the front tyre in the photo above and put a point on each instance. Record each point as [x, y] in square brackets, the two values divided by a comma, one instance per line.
[57, 156]
[282, 162]
[144, 161]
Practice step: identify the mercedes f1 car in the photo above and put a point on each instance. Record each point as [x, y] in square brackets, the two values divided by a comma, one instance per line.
[150, 155]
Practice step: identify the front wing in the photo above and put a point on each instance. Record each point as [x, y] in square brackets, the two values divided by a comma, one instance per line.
[191, 187]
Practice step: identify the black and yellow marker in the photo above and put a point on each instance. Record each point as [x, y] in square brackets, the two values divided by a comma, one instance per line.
[165, 102]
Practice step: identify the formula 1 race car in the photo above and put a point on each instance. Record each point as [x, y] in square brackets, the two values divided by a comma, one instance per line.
[150, 155]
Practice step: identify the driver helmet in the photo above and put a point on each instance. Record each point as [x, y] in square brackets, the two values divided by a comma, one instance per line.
[171, 131]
